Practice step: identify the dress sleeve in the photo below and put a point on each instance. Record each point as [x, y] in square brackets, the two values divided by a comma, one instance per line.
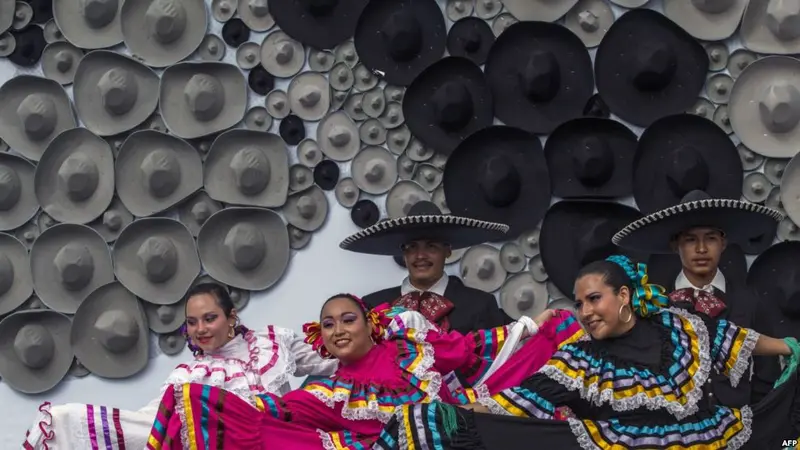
[731, 348]
[308, 362]
[537, 397]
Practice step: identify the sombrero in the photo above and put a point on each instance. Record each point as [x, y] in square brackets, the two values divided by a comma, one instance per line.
[591, 158]
[775, 278]
[247, 248]
[647, 67]
[89, 25]
[540, 75]
[18, 203]
[35, 351]
[320, 24]
[577, 232]
[156, 259]
[424, 221]
[499, 174]
[16, 282]
[400, 38]
[742, 222]
[707, 20]
[109, 333]
[679, 154]
[447, 102]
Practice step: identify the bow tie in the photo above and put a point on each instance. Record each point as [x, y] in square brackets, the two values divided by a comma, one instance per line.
[432, 306]
[703, 300]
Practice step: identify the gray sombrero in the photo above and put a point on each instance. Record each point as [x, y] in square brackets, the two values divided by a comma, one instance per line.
[741, 221]
[17, 196]
[246, 167]
[89, 25]
[16, 282]
[35, 351]
[163, 32]
[68, 262]
[33, 111]
[424, 221]
[155, 171]
[202, 98]
[247, 248]
[165, 318]
[74, 181]
[114, 93]
[109, 333]
[156, 259]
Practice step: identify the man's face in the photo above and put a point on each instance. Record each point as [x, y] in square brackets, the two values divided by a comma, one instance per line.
[700, 250]
[425, 260]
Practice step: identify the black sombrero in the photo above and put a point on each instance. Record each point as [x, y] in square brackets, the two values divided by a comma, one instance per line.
[322, 24]
[775, 276]
[447, 102]
[577, 232]
[424, 221]
[471, 38]
[742, 223]
[499, 174]
[648, 67]
[591, 158]
[682, 153]
[663, 269]
[540, 74]
[398, 39]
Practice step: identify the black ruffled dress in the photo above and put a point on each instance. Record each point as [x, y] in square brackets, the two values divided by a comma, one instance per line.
[646, 389]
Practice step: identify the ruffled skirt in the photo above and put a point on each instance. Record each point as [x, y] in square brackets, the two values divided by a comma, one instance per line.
[761, 426]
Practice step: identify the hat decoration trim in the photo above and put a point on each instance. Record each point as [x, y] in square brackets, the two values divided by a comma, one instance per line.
[646, 298]
[380, 317]
[440, 219]
[694, 206]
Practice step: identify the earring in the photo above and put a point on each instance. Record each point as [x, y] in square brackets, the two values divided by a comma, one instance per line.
[630, 314]
[231, 332]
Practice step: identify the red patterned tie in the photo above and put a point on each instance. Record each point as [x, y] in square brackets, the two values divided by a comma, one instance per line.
[703, 301]
[434, 307]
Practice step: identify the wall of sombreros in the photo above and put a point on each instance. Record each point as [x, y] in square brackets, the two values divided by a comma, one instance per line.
[149, 144]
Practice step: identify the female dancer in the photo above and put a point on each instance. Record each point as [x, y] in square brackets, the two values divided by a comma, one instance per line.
[383, 363]
[637, 379]
[226, 355]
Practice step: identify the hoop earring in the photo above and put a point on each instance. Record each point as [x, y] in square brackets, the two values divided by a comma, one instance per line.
[630, 314]
[231, 332]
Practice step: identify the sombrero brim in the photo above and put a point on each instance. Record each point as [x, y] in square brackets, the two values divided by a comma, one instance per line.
[211, 245]
[133, 191]
[133, 22]
[388, 237]
[22, 287]
[27, 206]
[614, 61]
[702, 25]
[504, 62]
[12, 93]
[742, 222]
[175, 112]
[45, 274]
[756, 35]
[23, 378]
[128, 268]
[51, 193]
[419, 111]
[372, 50]
[320, 32]
[73, 26]
[90, 350]
[91, 111]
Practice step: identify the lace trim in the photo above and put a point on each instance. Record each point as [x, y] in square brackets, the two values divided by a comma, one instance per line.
[45, 428]
[581, 435]
[743, 436]
[327, 441]
[282, 345]
[181, 411]
[742, 364]
[402, 439]
[370, 412]
[598, 397]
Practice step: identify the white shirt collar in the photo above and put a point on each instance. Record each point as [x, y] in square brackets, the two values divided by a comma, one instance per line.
[438, 288]
[718, 282]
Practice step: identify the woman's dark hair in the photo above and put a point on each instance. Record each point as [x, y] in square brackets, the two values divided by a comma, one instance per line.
[222, 297]
[216, 290]
[352, 298]
[613, 274]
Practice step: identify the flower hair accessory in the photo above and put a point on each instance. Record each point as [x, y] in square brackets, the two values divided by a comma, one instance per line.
[380, 317]
[646, 298]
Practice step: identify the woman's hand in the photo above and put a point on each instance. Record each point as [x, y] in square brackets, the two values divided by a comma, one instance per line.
[791, 361]
[476, 407]
[544, 316]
